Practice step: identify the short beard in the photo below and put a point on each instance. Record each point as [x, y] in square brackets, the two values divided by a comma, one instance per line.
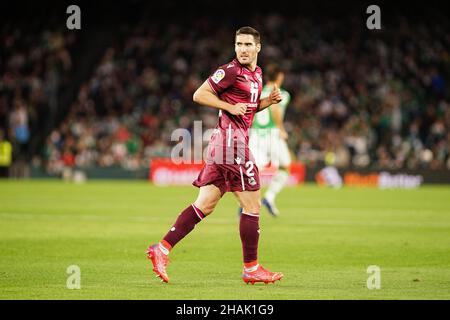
[245, 63]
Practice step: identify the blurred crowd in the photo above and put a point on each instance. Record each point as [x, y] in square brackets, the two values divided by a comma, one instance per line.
[371, 99]
[360, 98]
[34, 68]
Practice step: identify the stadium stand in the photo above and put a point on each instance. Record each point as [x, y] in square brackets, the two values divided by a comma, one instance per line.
[367, 99]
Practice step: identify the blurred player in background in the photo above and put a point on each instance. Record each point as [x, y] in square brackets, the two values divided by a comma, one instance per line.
[235, 89]
[268, 138]
[329, 176]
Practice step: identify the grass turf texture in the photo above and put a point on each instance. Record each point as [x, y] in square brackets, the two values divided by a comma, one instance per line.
[323, 242]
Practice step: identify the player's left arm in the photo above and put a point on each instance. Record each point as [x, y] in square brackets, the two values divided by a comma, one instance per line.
[273, 98]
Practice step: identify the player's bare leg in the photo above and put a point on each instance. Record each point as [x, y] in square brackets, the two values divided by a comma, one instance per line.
[206, 201]
[249, 232]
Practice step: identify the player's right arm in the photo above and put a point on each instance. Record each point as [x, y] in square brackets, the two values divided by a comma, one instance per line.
[206, 96]
[273, 98]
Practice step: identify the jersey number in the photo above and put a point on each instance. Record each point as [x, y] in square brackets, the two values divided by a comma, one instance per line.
[253, 91]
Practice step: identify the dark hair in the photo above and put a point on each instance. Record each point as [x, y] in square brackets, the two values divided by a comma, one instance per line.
[271, 71]
[250, 30]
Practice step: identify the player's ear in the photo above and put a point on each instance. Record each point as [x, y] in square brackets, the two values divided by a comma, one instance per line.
[258, 47]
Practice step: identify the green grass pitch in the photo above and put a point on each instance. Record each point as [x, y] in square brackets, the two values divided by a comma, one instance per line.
[324, 241]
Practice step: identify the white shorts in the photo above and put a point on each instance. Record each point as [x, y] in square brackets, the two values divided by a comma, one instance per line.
[269, 148]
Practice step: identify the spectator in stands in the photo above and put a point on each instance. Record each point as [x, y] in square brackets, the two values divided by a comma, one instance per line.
[5, 155]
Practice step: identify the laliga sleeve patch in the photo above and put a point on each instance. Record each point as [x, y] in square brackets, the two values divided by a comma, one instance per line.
[218, 75]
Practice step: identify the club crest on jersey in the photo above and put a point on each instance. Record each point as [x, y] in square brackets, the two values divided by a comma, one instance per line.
[218, 75]
[258, 76]
[251, 181]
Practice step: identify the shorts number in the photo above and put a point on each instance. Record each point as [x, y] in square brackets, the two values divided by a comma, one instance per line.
[250, 166]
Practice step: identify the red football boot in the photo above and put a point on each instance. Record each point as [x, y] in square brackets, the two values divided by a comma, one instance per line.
[159, 261]
[261, 275]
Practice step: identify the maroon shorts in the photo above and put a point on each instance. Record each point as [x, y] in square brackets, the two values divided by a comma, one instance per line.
[239, 174]
[229, 177]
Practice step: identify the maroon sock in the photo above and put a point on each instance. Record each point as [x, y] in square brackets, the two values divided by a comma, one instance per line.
[249, 231]
[185, 223]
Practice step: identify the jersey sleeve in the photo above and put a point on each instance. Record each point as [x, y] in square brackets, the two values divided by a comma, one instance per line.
[222, 78]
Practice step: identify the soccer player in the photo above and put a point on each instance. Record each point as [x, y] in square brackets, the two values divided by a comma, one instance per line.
[268, 138]
[329, 176]
[234, 89]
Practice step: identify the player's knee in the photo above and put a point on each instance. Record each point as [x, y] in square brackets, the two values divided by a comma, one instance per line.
[253, 207]
[207, 207]
[258, 206]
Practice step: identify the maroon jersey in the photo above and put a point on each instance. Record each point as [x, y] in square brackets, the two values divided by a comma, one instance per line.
[235, 83]
[229, 164]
